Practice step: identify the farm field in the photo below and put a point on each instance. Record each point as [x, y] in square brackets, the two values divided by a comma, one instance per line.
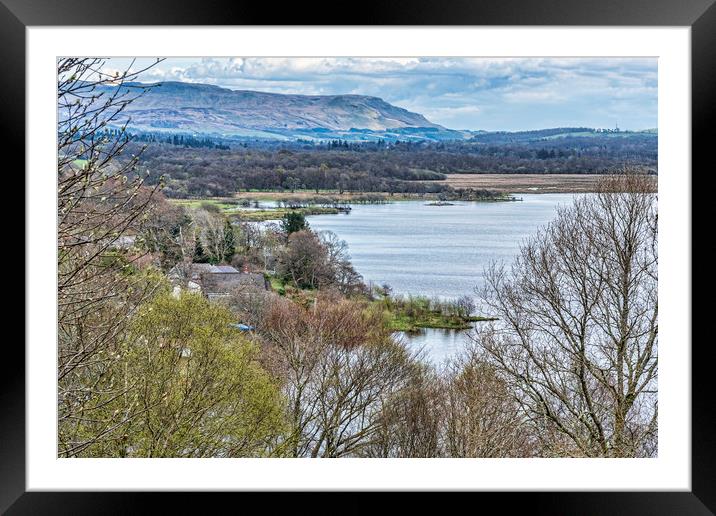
[526, 183]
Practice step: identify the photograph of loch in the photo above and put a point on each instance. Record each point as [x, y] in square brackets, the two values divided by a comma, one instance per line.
[357, 257]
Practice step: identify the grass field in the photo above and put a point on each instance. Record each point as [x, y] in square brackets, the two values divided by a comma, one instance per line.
[224, 204]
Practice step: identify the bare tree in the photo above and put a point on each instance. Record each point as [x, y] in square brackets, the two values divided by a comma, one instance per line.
[481, 417]
[412, 419]
[338, 364]
[344, 275]
[578, 335]
[249, 303]
[465, 306]
[167, 231]
[210, 227]
[304, 261]
[101, 196]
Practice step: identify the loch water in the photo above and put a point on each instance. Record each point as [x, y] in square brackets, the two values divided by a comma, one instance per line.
[439, 250]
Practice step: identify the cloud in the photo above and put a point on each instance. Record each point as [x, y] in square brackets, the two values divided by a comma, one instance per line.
[474, 93]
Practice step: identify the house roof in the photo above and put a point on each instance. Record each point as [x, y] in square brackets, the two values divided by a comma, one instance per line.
[222, 269]
[220, 282]
[195, 270]
[218, 279]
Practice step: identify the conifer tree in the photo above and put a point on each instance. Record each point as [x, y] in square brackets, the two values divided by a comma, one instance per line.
[229, 242]
[200, 255]
[293, 221]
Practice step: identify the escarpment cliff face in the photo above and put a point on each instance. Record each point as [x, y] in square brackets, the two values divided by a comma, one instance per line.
[211, 110]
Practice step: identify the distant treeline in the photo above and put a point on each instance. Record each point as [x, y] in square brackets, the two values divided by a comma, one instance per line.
[204, 167]
[181, 140]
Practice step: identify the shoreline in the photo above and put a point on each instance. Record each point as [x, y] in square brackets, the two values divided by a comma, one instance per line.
[508, 188]
[502, 183]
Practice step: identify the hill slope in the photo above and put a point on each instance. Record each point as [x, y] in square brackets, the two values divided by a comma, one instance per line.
[211, 110]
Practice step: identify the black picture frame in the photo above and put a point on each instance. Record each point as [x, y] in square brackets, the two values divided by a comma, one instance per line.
[700, 15]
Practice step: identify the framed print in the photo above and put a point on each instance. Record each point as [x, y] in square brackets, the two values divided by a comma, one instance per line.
[424, 245]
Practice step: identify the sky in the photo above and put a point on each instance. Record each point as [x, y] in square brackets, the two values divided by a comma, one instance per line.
[493, 94]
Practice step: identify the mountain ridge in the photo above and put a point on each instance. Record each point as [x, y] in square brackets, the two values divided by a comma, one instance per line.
[197, 108]
[208, 110]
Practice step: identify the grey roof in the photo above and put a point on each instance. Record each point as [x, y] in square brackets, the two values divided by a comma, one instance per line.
[218, 279]
[222, 268]
[220, 282]
[194, 271]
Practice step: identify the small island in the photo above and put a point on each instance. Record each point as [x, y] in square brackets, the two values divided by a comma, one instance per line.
[410, 313]
[401, 313]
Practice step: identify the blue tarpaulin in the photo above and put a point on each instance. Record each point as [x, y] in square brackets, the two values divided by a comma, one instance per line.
[242, 326]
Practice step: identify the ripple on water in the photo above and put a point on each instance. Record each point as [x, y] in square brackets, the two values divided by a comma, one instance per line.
[437, 251]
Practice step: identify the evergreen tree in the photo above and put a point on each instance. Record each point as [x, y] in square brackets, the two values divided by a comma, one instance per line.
[293, 221]
[200, 255]
[229, 242]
